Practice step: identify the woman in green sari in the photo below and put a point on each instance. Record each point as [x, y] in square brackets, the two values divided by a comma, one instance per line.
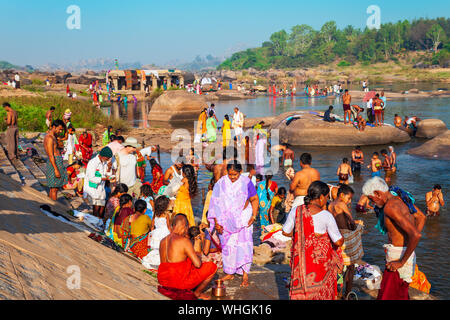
[211, 128]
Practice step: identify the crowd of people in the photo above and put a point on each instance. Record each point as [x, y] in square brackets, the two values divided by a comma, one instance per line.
[153, 219]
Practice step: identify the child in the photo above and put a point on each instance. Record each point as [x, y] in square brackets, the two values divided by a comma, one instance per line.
[160, 229]
[277, 210]
[70, 144]
[344, 220]
[375, 165]
[147, 196]
[363, 205]
[361, 123]
[344, 171]
[73, 182]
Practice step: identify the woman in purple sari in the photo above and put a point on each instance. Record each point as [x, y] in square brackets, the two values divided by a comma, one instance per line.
[232, 211]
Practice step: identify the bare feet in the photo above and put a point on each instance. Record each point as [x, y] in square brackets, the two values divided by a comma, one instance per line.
[227, 277]
[244, 283]
[203, 296]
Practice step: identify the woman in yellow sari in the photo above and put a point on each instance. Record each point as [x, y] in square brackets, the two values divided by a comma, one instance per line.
[187, 191]
[226, 131]
[124, 210]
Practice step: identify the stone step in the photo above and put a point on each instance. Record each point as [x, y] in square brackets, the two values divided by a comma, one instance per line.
[35, 170]
[7, 167]
[27, 177]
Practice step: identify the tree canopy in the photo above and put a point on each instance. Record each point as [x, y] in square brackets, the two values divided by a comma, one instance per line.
[306, 47]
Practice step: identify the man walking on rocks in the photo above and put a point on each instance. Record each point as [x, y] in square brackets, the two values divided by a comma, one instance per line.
[55, 172]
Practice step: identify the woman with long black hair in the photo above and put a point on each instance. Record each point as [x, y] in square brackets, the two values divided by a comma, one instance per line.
[315, 261]
[187, 191]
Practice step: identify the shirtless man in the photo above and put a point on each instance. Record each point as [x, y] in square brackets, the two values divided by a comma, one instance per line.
[387, 166]
[220, 169]
[344, 220]
[174, 170]
[393, 157]
[55, 173]
[344, 171]
[434, 200]
[403, 226]
[361, 123]
[357, 159]
[397, 121]
[288, 156]
[49, 117]
[346, 101]
[175, 250]
[302, 180]
[375, 165]
[12, 132]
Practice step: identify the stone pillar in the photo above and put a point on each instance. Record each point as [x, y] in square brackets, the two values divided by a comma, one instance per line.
[181, 81]
[169, 81]
[154, 83]
[143, 80]
[116, 83]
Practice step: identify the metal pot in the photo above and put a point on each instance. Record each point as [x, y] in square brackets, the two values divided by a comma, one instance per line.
[219, 289]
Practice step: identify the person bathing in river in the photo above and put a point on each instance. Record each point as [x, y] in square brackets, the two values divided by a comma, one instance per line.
[357, 159]
[387, 166]
[393, 157]
[363, 205]
[344, 171]
[397, 121]
[375, 165]
[302, 180]
[403, 222]
[434, 200]
[350, 230]
[288, 156]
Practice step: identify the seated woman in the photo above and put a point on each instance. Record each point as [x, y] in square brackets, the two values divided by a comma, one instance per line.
[160, 229]
[73, 182]
[277, 211]
[124, 210]
[314, 229]
[136, 229]
[113, 201]
[147, 195]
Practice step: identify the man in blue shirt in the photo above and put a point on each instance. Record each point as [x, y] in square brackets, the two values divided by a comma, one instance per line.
[327, 117]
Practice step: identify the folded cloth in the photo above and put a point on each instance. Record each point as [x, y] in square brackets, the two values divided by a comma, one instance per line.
[396, 253]
[184, 275]
[419, 281]
[352, 250]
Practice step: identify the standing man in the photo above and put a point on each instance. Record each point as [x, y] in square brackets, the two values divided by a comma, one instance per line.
[49, 117]
[126, 165]
[403, 222]
[12, 132]
[211, 108]
[347, 100]
[98, 171]
[302, 180]
[378, 105]
[238, 124]
[17, 80]
[56, 174]
[383, 98]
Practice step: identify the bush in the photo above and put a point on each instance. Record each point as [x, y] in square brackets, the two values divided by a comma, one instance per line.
[37, 82]
[344, 63]
[31, 112]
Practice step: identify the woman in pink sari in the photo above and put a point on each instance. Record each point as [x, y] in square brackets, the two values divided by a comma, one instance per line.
[316, 257]
[232, 210]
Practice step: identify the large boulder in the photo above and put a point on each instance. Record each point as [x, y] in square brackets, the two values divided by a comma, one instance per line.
[437, 148]
[177, 105]
[311, 130]
[430, 128]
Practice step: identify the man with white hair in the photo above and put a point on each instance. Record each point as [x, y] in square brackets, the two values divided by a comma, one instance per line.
[403, 222]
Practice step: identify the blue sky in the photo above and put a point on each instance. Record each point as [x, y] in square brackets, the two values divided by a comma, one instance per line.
[35, 32]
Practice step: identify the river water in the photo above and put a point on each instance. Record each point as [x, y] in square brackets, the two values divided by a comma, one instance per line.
[415, 175]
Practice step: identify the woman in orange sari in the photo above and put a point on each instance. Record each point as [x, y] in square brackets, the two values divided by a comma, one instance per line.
[187, 191]
[315, 258]
[158, 176]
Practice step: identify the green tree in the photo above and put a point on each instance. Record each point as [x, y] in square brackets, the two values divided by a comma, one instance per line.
[300, 39]
[279, 42]
[328, 31]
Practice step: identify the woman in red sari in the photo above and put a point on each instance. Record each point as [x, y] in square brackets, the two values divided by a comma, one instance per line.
[316, 258]
[158, 176]
[85, 142]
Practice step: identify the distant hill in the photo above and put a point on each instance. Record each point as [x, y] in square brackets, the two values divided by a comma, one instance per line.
[98, 64]
[305, 47]
[199, 63]
[7, 65]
